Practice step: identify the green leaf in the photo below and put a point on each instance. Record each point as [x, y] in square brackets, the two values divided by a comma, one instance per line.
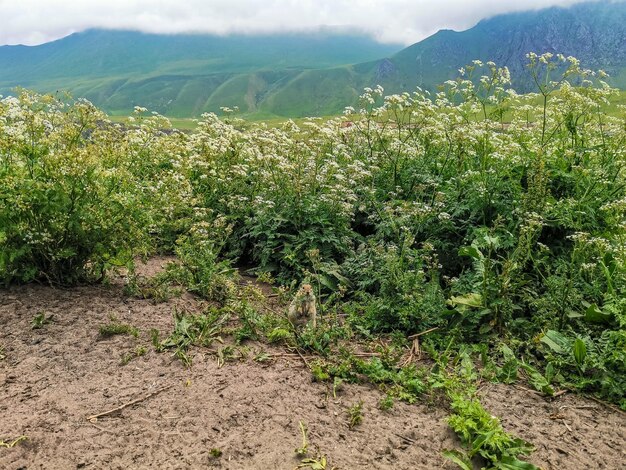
[492, 241]
[573, 315]
[594, 315]
[508, 373]
[507, 352]
[482, 440]
[470, 300]
[340, 277]
[508, 462]
[547, 390]
[555, 341]
[326, 281]
[458, 458]
[549, 372]
[580, 352]
[470, 251]
[609, 263]
[538, 381]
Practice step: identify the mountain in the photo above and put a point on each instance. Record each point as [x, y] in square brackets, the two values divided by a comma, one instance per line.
[106, 53]
[297, 75]
[594, 32]
[178, 74]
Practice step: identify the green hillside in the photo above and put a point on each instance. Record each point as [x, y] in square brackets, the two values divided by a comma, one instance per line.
[181, 75]
[300, 75]
[107, 53]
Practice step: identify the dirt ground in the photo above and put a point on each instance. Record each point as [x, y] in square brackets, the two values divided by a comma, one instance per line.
[52, 379]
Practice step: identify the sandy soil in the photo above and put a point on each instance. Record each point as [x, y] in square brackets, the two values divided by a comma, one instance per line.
[52, 379]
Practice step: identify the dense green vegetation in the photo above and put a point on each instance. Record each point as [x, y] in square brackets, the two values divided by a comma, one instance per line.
[505, 240]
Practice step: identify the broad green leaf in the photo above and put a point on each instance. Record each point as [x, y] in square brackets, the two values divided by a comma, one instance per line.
[555, 341]
[470, 300]
[492, 241]
[326, 281]
[507, 352]
[340, 277]
[550, 372]
[458, 458]
[595, 315]
[508, 462]
[609, 263]
[508, 373]
[580, 351]
[538, 381]
[573, 315]
[547, 389]
[470, 251]
[481, 440]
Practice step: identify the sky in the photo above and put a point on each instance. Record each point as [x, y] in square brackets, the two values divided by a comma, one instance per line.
[392, 21]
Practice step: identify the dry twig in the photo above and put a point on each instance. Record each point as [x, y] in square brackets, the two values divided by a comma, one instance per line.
[407, 439]
[417, 335]
[414, 351]
[275, 355]
[95, 417]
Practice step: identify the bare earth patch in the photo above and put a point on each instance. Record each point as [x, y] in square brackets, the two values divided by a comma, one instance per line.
[53, 378]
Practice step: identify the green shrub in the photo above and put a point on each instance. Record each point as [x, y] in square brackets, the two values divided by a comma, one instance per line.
[65, 214]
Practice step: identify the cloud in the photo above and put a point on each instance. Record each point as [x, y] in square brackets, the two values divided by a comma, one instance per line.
[393, 21]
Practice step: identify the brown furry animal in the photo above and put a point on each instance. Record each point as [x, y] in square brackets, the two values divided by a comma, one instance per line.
[302, 308]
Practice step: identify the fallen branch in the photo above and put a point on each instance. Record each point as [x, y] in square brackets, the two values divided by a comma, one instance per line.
[95, 417]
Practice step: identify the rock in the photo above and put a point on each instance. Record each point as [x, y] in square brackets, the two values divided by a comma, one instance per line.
[386, 69]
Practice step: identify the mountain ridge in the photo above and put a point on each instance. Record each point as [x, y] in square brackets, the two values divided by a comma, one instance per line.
[297, 75]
